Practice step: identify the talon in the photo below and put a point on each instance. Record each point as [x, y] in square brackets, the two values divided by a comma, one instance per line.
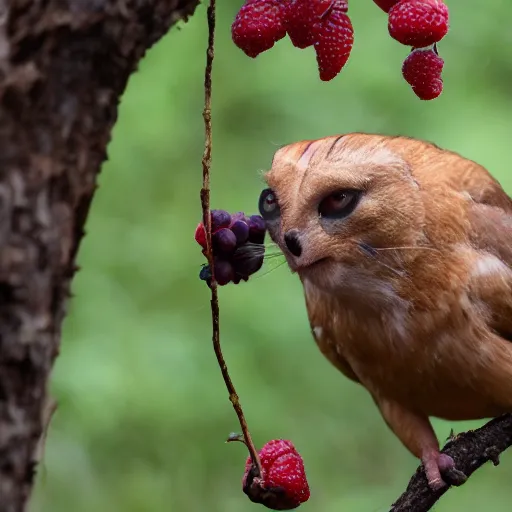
[445, 462]
[431, 462]
[441, 471]
[451, 474]
[436, 484]
[455, 477]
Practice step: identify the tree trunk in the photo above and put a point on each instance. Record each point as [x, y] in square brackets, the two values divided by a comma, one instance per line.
[63, 67]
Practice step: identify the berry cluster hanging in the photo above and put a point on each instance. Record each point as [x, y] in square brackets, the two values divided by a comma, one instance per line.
[326, 25]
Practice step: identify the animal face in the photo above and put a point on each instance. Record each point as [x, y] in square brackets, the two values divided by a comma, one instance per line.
[331, 202]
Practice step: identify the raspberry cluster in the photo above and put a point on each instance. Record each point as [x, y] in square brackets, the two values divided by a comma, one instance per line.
[323, 24]
[237, 245]
[420, 24]
[282, 484]
[422, 71]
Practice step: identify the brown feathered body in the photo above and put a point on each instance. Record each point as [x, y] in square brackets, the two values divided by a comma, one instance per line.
[411, 294]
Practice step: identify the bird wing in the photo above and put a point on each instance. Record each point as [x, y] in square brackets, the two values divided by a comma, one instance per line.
[433, 166]
[490, 229]
[491, 281]
[483, 188]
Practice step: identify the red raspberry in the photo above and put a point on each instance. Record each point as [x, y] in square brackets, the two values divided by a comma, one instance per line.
[200, 235]
[334, 37]
[283, 484]
[418, 23]
[422, 70]
[386, 5]
[298, 23]
[301, 16]
[219, 219]
[258, 25]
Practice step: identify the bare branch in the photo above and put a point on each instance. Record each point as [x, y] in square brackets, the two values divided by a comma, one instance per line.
[470, 450]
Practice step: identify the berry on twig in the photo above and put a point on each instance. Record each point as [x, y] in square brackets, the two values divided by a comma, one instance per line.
[325, 24]
[282, 484]
[237, 246]
[299, 20]
[418, 23]
[302, 15]
[422, 71]
[281, 477]
[258, 25]
[334, 37]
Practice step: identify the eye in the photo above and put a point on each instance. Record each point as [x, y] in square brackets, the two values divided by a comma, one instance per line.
[268, 205]
[339, 204]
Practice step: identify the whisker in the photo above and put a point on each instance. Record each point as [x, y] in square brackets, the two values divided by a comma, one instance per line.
[399, 273]
[273, 255]
[394, 270]
[372, 252]
[249, 251]
[272, 250]
[405, 247]
[249, 246]
[368, 249]
[266, 272]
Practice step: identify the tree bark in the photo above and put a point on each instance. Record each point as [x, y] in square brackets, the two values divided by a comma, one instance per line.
[63, 67]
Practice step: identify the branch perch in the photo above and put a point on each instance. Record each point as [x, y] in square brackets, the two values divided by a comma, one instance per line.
[470, 450]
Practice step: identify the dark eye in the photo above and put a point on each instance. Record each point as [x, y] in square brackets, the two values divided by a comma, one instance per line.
[268, 206]
[339, 204]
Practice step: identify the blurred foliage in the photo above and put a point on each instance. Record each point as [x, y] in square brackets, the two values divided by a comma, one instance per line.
[143, 412]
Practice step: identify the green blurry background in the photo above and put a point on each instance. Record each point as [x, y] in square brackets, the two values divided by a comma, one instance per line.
[143, 411]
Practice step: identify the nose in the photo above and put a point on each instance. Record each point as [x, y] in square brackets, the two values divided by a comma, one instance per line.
[291, 239]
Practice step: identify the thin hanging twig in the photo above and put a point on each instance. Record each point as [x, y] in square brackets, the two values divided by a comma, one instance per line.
[205, 203]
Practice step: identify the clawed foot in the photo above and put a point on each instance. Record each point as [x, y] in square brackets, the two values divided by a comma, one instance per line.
[440, 470]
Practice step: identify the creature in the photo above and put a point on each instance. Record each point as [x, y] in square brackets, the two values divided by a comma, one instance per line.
[404, 251]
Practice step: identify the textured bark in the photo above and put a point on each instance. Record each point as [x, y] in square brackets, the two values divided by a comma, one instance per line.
[63, 66]
[470, 450]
